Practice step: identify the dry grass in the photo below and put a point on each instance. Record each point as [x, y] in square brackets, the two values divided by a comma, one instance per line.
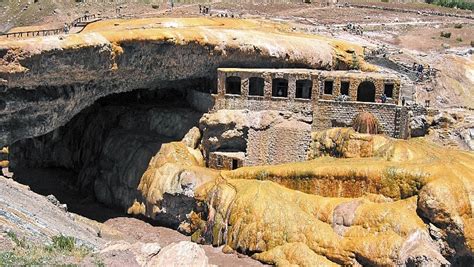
[62, 250]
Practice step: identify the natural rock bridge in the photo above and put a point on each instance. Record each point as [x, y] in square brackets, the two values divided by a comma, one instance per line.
[46, 81]
[112, 104]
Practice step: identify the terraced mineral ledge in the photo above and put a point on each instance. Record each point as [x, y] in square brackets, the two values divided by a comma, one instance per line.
[140, 110]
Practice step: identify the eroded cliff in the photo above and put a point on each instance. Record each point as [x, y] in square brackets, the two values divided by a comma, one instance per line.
[45, 81]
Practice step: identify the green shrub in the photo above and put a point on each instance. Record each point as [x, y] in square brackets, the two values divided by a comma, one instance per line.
[399, 184]
[384, 1]
[63, 243]
[33, 254]
[459, 39]
[445, 34]
[472, 43]
[355, 62]
[458, 26]
[462, 4]
[19, 242]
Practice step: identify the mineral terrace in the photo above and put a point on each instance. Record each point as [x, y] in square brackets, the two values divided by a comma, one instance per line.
[260, 141]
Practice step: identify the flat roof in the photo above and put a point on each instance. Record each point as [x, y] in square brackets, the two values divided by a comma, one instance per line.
[332, 73]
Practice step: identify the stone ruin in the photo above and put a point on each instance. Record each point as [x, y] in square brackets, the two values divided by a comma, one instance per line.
[318, 100]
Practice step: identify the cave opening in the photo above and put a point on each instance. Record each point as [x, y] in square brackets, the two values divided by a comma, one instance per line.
[94, 162]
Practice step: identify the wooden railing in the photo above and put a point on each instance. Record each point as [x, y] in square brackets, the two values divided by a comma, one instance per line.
[74, 23]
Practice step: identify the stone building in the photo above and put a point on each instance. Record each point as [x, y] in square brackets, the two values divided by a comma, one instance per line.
[323, 99]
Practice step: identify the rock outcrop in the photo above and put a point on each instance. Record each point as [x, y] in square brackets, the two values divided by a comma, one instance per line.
[109, 145]
[419, 211]
[32, 217]
[45, 81]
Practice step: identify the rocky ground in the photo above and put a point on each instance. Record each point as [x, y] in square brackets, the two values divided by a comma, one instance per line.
[110, 238]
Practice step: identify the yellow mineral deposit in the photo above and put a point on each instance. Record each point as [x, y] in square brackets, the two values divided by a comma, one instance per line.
[276, 40]
[369, 208]
[361, 199]
[4, 157]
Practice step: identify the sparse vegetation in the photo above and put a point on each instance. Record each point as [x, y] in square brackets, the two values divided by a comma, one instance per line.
[302, 174]
[63, 243]
[462, 4]
[472, 43]
[459, 39]
[458, 26]
[445, 34]
[355, 65]
[19, 242]
[62, 250]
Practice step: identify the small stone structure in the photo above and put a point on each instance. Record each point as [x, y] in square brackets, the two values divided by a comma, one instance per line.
[327, 98]
[226, 160]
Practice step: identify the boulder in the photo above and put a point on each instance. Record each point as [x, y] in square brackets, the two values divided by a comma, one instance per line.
[443, 119]
[192, 138]
[184, 253]
[142, 253]
[418, 126]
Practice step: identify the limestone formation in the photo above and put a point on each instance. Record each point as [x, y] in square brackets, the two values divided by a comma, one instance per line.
[418, 126]
[361, 199]
[337, 222]
[45, 81]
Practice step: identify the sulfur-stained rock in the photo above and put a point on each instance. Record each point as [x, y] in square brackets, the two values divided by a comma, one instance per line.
[192, 138]
[167, 187]
[290, 254]
[346, 143]
[65, 74]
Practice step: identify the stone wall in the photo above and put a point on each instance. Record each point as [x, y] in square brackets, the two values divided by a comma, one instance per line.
[286, 142]
[226, 160]
[267, 101]
[331, 113]
[322, 105]
[402, 130]
[355, 79]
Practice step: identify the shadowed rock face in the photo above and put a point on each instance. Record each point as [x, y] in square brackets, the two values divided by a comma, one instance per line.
[45, 81]
[110, 144]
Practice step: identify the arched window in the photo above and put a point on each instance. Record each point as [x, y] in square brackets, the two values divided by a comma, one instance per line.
[280, 87]
[256, 85]
[232, 85]
[366, 92]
